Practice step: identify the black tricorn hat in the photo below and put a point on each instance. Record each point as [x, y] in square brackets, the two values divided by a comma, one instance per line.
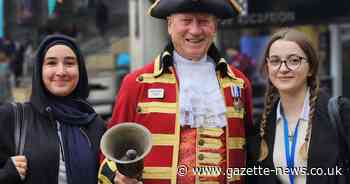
[222, 9]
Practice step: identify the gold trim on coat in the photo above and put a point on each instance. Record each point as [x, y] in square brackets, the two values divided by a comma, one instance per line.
[160, 107]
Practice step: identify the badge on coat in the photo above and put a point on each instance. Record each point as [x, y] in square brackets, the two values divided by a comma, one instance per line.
[236, 93]
[155, 93]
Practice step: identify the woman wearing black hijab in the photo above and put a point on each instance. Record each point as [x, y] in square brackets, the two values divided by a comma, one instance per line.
[63, 134]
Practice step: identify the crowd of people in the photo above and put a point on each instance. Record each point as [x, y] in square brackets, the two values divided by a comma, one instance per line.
[196, 105]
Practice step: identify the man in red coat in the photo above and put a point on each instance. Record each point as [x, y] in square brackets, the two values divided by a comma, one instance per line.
[196, 106]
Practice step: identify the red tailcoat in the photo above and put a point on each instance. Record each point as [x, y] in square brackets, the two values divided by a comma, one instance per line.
[161, 117]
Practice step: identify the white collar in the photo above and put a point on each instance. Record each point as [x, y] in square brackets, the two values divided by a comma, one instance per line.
[200, 98]
[178, 59]
[304, 113]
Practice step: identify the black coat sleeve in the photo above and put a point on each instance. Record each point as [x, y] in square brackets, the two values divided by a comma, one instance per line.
[8, 172]
[344, 108]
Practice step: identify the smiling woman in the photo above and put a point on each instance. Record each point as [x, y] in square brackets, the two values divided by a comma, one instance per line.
[63, 130]
[60, 70]
[288, 75]
[295, 126]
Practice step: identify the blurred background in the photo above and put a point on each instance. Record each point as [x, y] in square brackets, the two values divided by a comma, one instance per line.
[117, 36]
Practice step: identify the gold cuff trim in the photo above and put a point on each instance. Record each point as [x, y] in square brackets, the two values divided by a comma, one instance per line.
[235, 113]
[157, 173]
[112, 165]
[164, 140]
[236, 143]
[103, 180]
[161, 107]
[213, 132]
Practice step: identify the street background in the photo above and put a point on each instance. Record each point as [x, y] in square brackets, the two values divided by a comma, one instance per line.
[119, 36]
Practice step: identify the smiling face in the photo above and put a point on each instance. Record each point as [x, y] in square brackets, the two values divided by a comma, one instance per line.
[60, 70]
[283, 78]
[192, 33]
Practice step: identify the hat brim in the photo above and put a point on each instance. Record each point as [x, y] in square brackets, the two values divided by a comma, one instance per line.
[222, 9]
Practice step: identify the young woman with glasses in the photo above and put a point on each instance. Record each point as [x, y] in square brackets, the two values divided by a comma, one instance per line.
[295, 134]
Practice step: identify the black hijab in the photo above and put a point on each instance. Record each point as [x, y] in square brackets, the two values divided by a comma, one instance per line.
[72, 112]
[40, 95]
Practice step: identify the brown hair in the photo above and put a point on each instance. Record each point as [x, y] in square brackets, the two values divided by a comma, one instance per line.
[272, 94]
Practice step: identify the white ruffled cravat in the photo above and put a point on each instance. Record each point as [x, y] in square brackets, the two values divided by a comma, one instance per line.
[201, 101]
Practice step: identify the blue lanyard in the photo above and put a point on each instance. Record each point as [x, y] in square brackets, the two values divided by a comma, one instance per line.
[289, 154]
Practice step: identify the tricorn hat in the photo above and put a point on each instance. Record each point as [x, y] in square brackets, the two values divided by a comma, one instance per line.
[222, 9]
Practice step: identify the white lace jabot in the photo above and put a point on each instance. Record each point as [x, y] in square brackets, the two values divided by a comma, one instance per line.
[201, 101]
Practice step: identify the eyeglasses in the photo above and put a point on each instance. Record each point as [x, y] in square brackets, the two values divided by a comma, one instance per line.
[292, 62]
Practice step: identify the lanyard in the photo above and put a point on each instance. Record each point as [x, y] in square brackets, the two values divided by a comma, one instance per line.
[290, 154]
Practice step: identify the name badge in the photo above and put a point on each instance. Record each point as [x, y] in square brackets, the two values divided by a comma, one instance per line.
[155, 93]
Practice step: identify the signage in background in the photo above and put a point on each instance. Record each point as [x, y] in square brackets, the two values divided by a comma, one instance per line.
[290, 12]
[51, 6]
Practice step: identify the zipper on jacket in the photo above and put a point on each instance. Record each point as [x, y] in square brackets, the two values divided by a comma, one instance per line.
[60, 140]
[82, 129]
[51, 118]
[85, 135]
[60, 146]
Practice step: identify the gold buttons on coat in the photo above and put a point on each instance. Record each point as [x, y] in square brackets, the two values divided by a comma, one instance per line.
[201, 142]
[201, 156]
[138, 109]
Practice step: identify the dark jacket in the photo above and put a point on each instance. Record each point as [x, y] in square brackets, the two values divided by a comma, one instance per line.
[42, 142]
[323, 148]
[41, 147]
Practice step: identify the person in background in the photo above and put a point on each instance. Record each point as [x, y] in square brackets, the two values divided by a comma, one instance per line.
[6, 77]
[295, 131]
[197, 107]
[122, 67]
[29, 55]
[63, 131]
[241, 61]
[17, 63]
